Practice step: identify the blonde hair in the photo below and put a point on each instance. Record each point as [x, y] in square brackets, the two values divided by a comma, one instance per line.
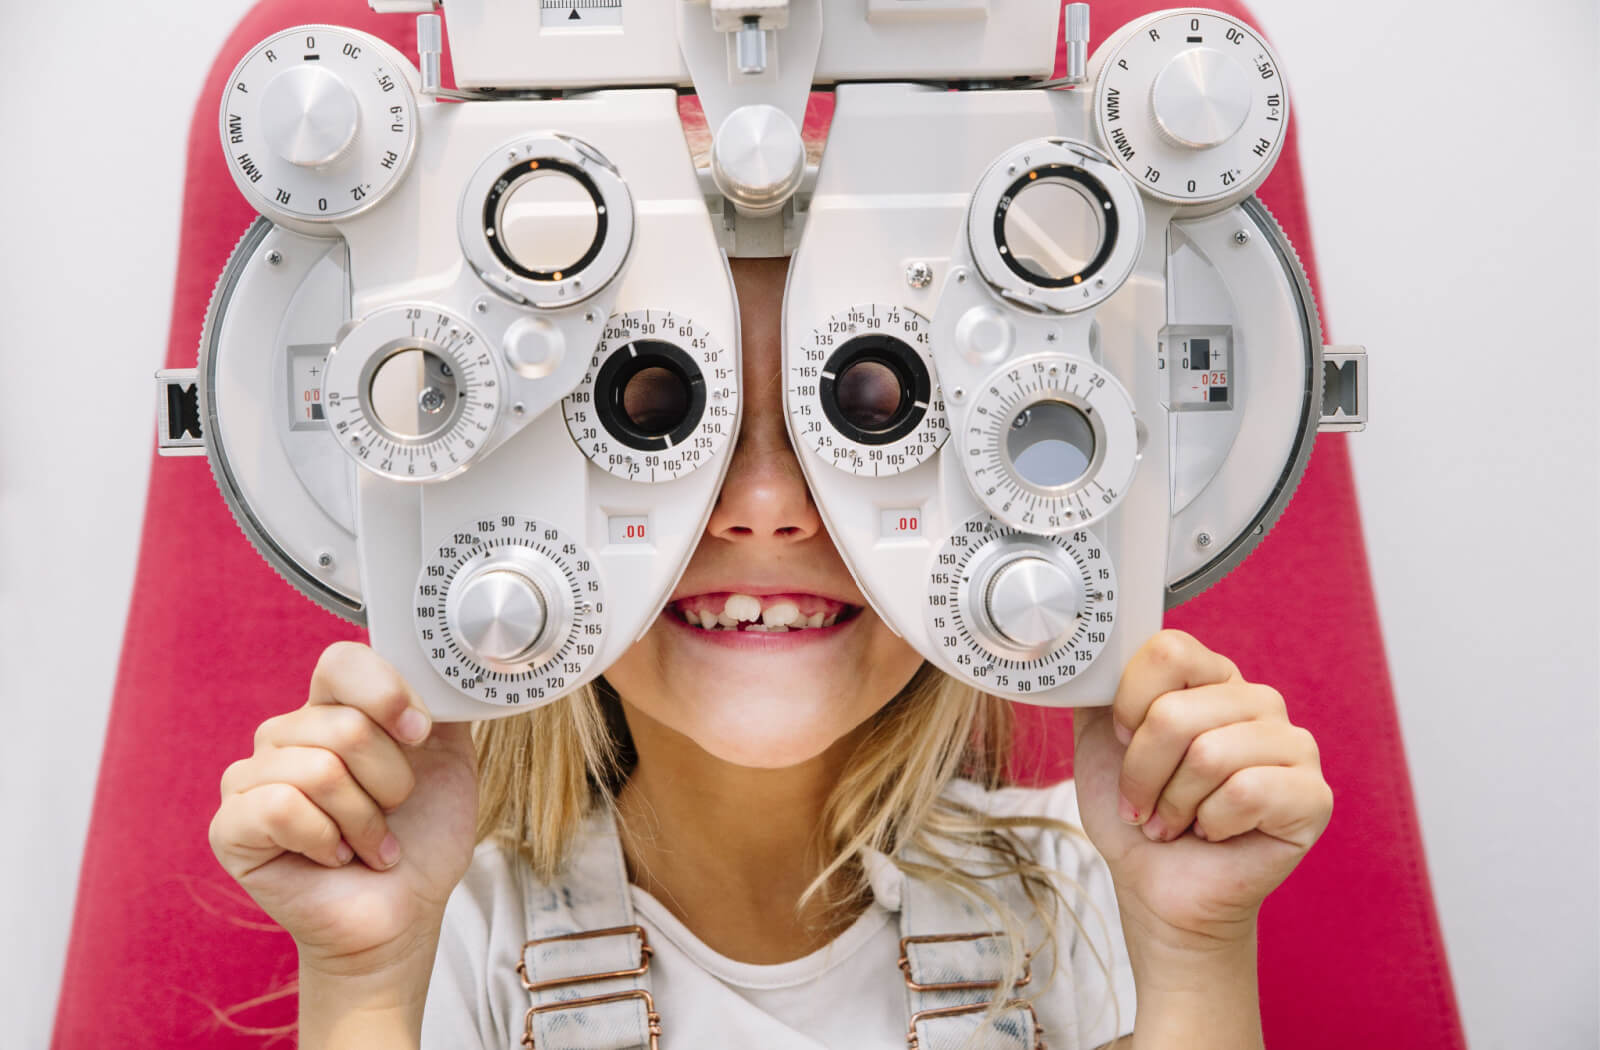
[541, 774]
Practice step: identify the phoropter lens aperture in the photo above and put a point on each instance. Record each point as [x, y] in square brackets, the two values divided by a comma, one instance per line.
[1050, 444]
[875, 389]
[650, 395]
[1055, 226]
[412, 394]
[545, 219]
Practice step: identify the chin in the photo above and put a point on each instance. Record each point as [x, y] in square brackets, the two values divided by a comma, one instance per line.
[765, 729]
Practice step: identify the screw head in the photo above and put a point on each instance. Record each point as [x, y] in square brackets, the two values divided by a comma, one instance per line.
[919, 274]
[588, 317]
[274, 257]
[1242, 237]
[518, 409]
[958, 393]
[482, 306]
[1203, 540]
[324, 560]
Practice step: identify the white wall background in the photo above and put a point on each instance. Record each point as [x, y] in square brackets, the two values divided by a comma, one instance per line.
[1450, 158]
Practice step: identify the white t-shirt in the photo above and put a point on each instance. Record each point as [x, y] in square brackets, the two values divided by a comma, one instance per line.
[848, 995]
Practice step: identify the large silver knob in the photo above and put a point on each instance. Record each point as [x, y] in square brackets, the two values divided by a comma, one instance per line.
[1033, 603]
[1201, 98]
[309, 115]
[498, 613]
[758, 158]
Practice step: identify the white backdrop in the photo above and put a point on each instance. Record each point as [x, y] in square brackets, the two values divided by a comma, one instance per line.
[1449, 164]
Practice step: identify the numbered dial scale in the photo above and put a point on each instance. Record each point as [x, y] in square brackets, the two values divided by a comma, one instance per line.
[509, 610]
[863, 393]
[1020, 612]
[318, 123]
[411, 393]
[658, 400]
[1192, 106]
[1051, 443]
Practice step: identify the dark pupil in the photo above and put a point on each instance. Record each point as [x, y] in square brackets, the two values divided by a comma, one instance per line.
[655, 400]
[869, 394]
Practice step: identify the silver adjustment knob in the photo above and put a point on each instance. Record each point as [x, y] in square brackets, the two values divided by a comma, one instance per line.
[1201, 98]
[1032, 602]
[499, 615]
[309, 116]
[758, 158]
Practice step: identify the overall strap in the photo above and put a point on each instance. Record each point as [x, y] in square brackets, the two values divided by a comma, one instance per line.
[953, 952]
[586, 963]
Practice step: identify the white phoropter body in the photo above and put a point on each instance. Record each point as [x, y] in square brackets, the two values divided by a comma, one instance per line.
[474, 379]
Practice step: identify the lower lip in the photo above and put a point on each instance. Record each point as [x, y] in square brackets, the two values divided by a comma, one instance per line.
[763, 641]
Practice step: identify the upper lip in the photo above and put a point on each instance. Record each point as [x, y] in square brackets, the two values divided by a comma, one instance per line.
[762, 590]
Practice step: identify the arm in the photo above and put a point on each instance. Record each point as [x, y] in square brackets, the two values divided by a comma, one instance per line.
[1202, 797]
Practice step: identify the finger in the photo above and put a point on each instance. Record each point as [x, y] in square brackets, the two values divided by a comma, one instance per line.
[1169, 661]
[1291, 803]
[1217, 754]
[257, 826]
[1171, 724]
[360, 744]
[321, 776]
[352, 674]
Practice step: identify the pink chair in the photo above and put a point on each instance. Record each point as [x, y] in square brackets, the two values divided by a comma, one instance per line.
[167, 952]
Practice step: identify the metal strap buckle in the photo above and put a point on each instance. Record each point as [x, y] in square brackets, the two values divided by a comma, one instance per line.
[973, 1008]
[653, 1019]
[957, 986]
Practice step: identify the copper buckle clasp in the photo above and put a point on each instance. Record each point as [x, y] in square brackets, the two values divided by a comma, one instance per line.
[973, 1008]
[957, 986]
[652, 1018]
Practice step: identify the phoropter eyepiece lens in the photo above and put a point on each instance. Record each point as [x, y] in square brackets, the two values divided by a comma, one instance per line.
[1050, 444]
[875, 389]
[412, 393]
[655, 399]
[650, 394]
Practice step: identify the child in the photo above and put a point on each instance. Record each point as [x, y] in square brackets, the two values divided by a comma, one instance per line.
[773, 803]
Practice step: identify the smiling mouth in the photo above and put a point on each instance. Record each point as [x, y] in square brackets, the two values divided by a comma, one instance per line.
[774, 613]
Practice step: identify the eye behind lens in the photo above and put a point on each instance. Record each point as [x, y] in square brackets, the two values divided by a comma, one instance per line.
[650, 395]
[875, 389]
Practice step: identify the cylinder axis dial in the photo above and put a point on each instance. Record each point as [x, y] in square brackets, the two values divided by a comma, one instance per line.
[1017, 612]
[1193, 107]
[509, 610]
[318, 123]
[412, 393]
[863, 393]
[1050, 443]
[659, 398]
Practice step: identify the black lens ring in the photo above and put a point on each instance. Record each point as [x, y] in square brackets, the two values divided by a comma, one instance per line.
[513, 176]
[619, 369]
[1096, 189]
[916, 386]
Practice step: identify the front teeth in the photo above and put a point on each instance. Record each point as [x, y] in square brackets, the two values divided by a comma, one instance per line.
[781, 616]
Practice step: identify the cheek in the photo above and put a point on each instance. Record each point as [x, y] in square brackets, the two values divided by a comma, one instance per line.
[764, 710]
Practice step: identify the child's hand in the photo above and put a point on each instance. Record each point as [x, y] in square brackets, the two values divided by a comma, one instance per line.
[335, 778]
[1223, 794]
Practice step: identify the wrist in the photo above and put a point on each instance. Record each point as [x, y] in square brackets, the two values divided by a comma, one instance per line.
[1202, 994]
[343, 1005]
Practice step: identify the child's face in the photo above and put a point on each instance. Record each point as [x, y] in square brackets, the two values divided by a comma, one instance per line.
[760, 698]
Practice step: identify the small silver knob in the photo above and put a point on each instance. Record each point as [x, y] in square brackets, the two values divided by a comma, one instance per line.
[1077, 43]
[500, 614]
[752, 47]
[1201, 98]
[758, 158]
[309, 116]
[1033, 603]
